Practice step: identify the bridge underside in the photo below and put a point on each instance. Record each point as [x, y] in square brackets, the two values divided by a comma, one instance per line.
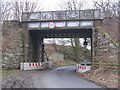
[67, 33]
[37, 37]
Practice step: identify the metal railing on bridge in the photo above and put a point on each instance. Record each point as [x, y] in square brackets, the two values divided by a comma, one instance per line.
[61, 19]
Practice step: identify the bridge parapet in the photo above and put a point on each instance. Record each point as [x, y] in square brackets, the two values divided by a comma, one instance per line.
[61, 19]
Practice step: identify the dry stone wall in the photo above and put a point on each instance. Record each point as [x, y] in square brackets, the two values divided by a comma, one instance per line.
[12, 49]
[106, 51]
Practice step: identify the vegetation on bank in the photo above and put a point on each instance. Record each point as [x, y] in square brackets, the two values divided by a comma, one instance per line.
[10, 72]
[106, 79]
[68, 53]
[64, 63]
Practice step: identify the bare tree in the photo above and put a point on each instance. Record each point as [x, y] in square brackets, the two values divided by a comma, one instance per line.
[75, 42]
[109, 10]
[64, 41]
[76, 48]
[13, 9]
[108, 7]
[27, 6]
[53, 42]
[58, 41]
[5, 10]
[71, 5]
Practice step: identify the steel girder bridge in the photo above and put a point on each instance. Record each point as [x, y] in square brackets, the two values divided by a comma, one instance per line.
[57, 24]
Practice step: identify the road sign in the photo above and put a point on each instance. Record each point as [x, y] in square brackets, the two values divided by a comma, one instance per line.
[51, 25]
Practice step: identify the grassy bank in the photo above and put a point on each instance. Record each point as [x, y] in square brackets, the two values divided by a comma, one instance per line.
[108, 79]
[10, 72]
[64, 63]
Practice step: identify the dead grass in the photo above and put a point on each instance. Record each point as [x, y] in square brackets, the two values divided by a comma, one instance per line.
[13, 72]
[64, 63]
[107, 79]
[10, 72]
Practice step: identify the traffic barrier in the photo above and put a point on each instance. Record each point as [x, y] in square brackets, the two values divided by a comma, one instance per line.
[82, 68]
[30, 65]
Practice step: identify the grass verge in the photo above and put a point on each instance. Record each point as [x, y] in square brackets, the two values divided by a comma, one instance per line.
[106, 79]
[64, 63]
[10, 72]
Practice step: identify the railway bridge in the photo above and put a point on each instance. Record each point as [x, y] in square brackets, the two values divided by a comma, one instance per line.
[34, 27]
[57, 24]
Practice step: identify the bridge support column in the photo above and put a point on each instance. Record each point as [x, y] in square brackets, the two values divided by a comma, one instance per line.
[26, 46]
[94, 48]
[42, 50]
[35, 51]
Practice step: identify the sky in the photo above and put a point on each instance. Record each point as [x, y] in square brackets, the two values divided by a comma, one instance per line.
[50, 40]
[52, 5]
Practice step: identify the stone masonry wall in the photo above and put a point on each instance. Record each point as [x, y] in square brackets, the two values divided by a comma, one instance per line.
[106, 51]
[12, 48]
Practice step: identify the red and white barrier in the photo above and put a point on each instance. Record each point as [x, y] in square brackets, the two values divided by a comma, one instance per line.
[30, 65]
[82, 68]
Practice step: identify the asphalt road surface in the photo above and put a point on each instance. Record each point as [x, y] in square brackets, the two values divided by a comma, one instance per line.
[62, 77]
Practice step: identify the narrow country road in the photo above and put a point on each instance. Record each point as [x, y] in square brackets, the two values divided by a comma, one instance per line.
[62, 77]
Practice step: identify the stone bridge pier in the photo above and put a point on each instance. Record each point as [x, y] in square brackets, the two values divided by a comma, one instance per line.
[33, 47]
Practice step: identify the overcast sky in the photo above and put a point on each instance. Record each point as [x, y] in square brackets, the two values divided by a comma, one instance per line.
[52, 5]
